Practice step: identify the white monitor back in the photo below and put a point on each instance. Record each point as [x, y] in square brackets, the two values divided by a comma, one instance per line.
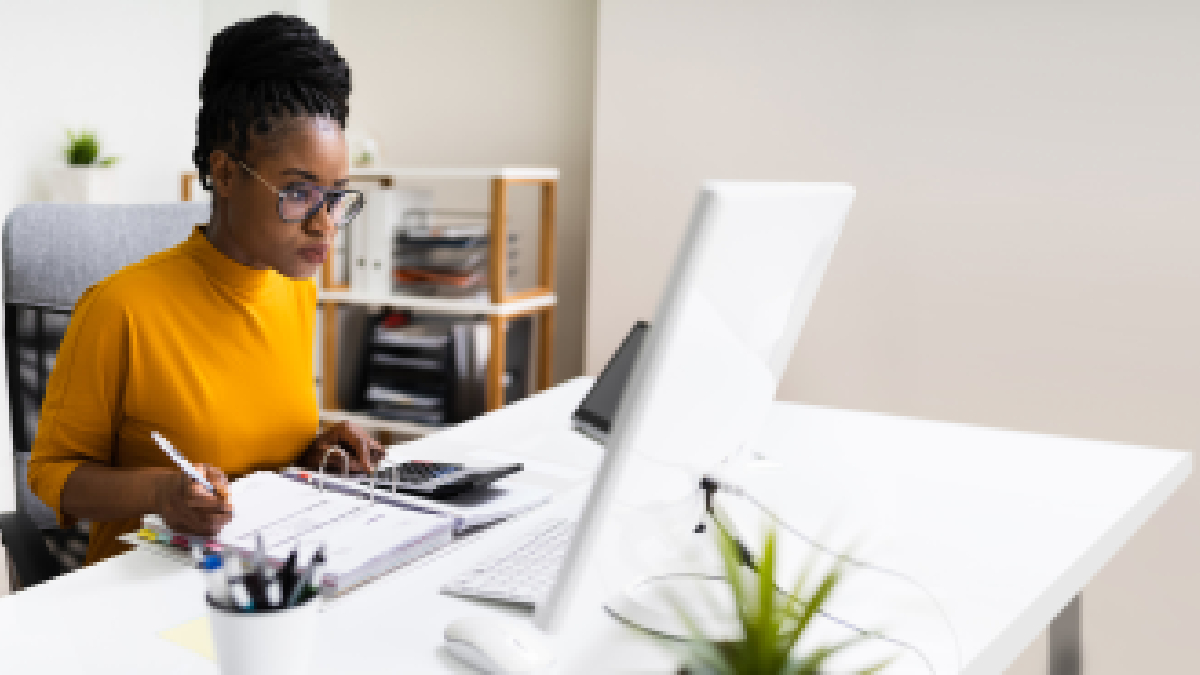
[744, 279]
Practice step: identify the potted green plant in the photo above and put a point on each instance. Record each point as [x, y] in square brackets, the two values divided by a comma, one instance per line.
[772, 617]
[364, 151]
[86, 177]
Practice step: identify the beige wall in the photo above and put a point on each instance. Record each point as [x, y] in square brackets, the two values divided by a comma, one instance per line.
[1024, 249]
[482, 83]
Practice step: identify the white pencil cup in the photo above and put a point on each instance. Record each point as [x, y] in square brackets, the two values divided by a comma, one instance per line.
[278, 642]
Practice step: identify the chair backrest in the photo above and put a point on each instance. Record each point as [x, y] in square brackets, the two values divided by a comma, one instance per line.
[51, 254]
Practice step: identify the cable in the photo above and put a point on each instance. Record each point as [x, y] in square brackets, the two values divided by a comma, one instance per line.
[719, 577]
[711, 485]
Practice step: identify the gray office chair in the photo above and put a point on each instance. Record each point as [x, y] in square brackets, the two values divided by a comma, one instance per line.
[51, 254]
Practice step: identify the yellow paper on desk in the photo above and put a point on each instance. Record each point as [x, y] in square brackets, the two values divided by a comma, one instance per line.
[194, 635]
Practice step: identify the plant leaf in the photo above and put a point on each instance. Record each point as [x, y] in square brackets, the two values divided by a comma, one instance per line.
[731, 561]
[812, 605]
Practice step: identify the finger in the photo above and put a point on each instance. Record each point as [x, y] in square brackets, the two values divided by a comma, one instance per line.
[187, 522]
[213, 523]
[199, 498]
[363, 446]
[358, 467]
[205, 521]
[216, 477]
[194, 491]
[355, 449]
[377, 452]
[213, 474]
[353, 440]
[207, 503]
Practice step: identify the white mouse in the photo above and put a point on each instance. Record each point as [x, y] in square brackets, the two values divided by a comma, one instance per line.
[499, 645]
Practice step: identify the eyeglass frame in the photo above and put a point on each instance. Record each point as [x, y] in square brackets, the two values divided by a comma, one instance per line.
[325, 192]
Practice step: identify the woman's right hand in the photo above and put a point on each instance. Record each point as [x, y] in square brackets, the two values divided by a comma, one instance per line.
[187, 507]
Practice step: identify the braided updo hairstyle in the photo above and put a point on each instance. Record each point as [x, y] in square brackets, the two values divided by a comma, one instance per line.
[262, 73]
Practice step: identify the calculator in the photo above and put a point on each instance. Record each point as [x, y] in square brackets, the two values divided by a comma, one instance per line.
[437, 480]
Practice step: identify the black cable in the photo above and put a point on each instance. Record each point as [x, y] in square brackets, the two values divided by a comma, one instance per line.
[720, 577]
[710, 487]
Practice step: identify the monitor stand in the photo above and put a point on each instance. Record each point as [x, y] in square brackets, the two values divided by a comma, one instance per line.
[686, 594]
[679, 605]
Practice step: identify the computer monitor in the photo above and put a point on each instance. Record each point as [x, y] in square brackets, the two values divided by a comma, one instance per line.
[697, 386]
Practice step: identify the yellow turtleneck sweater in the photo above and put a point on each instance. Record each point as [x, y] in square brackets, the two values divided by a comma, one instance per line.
[214, 355]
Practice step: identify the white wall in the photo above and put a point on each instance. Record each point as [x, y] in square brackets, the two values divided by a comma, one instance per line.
[479, 83]
[1023, 250]
[130, 69]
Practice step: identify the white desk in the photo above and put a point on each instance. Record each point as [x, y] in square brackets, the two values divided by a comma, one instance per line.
[1003, 527]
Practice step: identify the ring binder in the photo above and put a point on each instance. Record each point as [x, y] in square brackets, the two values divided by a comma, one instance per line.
[320, 477]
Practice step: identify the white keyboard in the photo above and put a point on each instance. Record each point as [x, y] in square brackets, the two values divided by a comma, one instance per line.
[524, 572]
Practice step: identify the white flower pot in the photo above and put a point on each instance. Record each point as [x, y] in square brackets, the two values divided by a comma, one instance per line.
[86, 184]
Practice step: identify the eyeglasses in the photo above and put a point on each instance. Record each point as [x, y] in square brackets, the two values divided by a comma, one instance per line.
[298, 204]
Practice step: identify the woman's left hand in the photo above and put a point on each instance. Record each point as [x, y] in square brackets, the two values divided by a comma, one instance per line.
[362, 450]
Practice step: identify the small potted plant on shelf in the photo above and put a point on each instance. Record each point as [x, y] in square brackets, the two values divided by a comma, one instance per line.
[87, 177]
[364, 151]
[772, 619]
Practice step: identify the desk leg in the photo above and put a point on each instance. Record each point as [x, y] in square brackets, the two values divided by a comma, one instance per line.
[1062, 637]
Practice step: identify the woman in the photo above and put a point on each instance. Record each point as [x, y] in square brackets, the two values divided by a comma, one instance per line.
[210, 342]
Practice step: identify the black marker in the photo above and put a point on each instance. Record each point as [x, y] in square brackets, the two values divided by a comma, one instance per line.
[310, 575]
[287, 574]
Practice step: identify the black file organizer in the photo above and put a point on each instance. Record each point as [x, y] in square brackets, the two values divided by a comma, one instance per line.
[451, 376]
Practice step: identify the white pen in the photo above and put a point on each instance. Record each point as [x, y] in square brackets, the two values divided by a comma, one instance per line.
[183, 463]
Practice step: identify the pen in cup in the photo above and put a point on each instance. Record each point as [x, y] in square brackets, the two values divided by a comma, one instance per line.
[252, 584]
[240, 597]
[215, 580]
[310, 577]
[272, 593]
[287, 575]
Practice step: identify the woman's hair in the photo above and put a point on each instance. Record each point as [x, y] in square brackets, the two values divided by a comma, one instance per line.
[260, 73]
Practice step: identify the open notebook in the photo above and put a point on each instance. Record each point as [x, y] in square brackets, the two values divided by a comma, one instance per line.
[363, 538]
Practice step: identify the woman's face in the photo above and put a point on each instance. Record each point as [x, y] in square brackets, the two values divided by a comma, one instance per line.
[306, 150]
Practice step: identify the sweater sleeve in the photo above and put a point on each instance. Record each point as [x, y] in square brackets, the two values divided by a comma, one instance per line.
[84, 396]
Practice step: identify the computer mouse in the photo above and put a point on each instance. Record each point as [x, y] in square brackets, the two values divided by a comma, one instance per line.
[499, 645]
